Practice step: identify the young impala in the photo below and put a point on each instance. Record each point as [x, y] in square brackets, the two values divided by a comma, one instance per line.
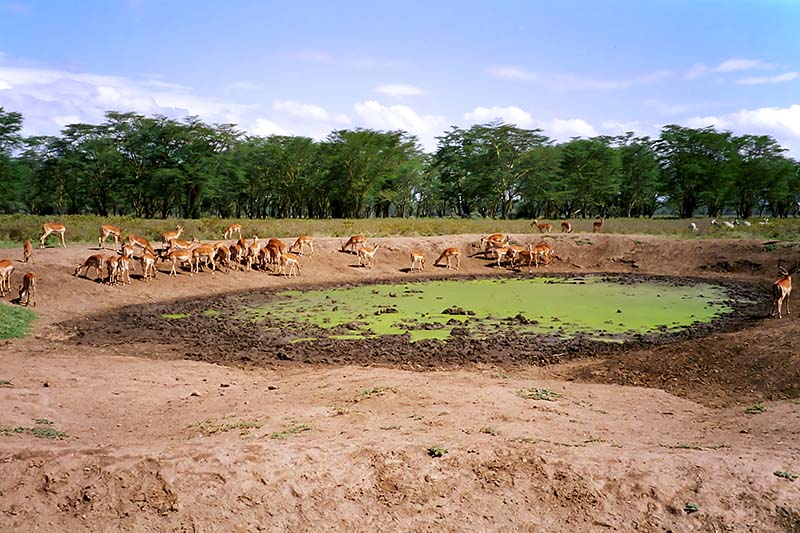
[292, 262]
[148, 262]
[230, 230]
[106, 232]
[541, 251]
[27, 290]
[302, 240]
[366, 256]
[566, 227]
[417, 261]
[354, 242]
[93, 261]
[449, 253]
[781, 290]
[50, 227]
[27, 252]
[544, 227]
[6, 268]
[597, 225]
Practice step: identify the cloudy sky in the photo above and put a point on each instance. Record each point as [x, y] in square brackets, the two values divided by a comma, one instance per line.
[571, 68]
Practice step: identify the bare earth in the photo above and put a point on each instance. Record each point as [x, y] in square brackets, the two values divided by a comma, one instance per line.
[159, 443]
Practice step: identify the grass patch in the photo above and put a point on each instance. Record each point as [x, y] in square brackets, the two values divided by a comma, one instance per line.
[755, 409]
[175, 316]
[374, 391]
[489, 431]
[389, 428]
[15, 322]
[437, 451]
[292, 430]
[39, 432]
[785, 475]
[211, 312]
[43, 422]
[537, 393]
[211, 427]
[5, 383]
[691, 508]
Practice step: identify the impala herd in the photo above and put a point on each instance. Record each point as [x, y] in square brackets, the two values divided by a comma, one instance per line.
[273, 254]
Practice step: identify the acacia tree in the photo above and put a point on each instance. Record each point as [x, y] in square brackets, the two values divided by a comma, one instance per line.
[10, 172]
[590, 175]
[639, 176]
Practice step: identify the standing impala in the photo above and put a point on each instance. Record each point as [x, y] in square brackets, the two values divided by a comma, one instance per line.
[597, 225]
[141, 242]
[366, 256]
[230, 230]
[302, 240]
[109, 231]
[354, 242]
[781, 290]
[27, 252]
[544, 227]
[566, 227]
[28, 289]
[417, 261]
[6, 268]
[168, 236]
[449, 253]
[51, 227]
[292, 262]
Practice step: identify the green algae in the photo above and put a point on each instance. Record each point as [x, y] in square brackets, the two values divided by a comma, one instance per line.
[482, 308]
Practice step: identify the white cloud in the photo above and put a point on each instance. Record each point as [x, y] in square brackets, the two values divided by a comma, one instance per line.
[511, 115]
[511, 72]
[399, 90]
[780, 78]
[265, 127]
[4, 85]
[735, 65]
[563, 129]
[400, 117]
[242, 86]
[783, 123]
[309, 111]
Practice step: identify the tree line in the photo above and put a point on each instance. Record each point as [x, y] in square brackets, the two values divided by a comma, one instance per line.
[154, 166]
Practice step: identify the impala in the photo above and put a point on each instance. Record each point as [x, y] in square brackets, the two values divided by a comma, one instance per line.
[6, 268]
[167, 236]
[178, 256]
[105, 233]
[148, 262]
[276, 248]
[177, 244]
[543, 251]
[252, 250]
[27, 252]
[417, 261]
[491, 242]
[354, 242]
[206, 253]
[292, 262]
[124, 269]
[543, 228]
[597, 225]
[693, 227]
[566, 227]
[58, 229]
[222, 255]
[501, 253]
[781, 290]
[141, 242]
[112, 268]
[27, 290]
[366, 256]
[514, 252]
[303, 240]
[93, 261]
[230, 230]
[449, 253]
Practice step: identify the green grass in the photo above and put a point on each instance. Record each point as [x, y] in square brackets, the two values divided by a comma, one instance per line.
[537, 393]
[15, 322]
[85, 228]
[212, 427]
[291, 430]
[785, 475]
[174, 316]
[437, 451]
[755, 409]
[39, 432]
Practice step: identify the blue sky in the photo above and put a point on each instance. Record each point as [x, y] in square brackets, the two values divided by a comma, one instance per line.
[570, 68]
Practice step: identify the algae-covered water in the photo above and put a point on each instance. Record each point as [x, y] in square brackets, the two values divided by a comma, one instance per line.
[560, 307]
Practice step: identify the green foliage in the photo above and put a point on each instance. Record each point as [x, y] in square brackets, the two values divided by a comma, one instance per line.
[537, 393]
[755, 409]
[15, 322]
[437, 451]
[785, 475]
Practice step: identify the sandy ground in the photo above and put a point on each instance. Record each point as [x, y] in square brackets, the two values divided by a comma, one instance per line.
[155, 442]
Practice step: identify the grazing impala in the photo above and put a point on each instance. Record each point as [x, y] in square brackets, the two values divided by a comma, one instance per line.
[541, 251]
[148, 262]
[417, 261]
[597, 225]
[366, 256]
[303, 240]
[58, 229]
[141, 242]
[566, 227]
[27, 290]
[230, 230]
[781, 290]
[93, 261]
[168, 236]
[292, 262]
[112, 268]
[27, 252]
[6, 268]
[491, 242]
[449, 253]
[544, 227]
[106, 232]
[178, 256]
[354, 242]
[206, 253]
[222, 256]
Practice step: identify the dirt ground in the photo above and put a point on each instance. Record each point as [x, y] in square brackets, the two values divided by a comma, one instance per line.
[157, 440]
